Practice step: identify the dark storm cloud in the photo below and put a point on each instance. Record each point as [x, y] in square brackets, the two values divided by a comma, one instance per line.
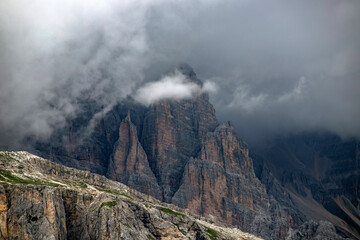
[290, 66]
[57, 53]
[279, 66]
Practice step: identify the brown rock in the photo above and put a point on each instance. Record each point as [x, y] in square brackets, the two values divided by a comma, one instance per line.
[3, 214]
[220, 184]
[41, 200]
[129, 163]
[172, 134]
[33, 213]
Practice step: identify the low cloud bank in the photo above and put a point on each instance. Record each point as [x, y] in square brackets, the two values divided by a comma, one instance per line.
[279, 66]
[175, 86]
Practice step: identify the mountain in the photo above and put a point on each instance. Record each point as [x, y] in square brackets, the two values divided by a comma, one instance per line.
[177, 152]
[42, 200]
[321, 173]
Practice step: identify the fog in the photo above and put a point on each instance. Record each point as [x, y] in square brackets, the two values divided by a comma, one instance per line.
[278, 66]
[172, 86]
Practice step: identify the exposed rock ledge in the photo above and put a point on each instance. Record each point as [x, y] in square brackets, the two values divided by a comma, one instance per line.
[40, 199]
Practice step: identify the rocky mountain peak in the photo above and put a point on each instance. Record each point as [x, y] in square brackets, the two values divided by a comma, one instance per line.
[128, 117]
[177, 152]
[189, 72]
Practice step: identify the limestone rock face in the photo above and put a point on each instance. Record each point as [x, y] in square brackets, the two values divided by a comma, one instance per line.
[315, 230]
[32, 213]
[222, 170]
[172, 133]
[88, 145]
[224, 148]
[176, 151]
[43, 200]
[220, 184]
[129, 163]
[321, 173]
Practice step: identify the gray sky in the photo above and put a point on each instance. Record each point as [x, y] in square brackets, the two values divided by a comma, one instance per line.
[279, 66]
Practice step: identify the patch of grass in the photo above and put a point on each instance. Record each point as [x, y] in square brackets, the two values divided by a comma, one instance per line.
[6, 176]
[107, 190]
[110, 204]
[125, 195]
[169, 211]
[82, 185]
[2, 178]
[113, 192]
[213, 234]
[14, 179]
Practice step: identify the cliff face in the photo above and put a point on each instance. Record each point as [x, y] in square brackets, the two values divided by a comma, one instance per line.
[220, 184]
[86, 144]
[48, 213]
[176, 151]
[129, 163]
[44, 200]
[183, 156]
[320, 171]
[172, 133]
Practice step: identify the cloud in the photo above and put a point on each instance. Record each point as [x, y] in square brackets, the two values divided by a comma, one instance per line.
[57, 55]
[243, 99]
[295, 93]
[210, 87]
[175, 86]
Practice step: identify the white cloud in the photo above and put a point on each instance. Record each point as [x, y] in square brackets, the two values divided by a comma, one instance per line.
[174, 86]
[295, 93]
[210, 87]
[244, 99]
[53, 53]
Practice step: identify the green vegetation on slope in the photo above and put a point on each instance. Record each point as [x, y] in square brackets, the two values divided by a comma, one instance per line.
[108, 204]
[213, 234]
[82, 185]
[168, 210]
[7, 176]
[114, 192]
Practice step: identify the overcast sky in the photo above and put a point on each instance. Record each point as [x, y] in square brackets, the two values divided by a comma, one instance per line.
[278, 66]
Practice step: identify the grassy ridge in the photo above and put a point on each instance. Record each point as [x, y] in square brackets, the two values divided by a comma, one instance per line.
[168, 210]
[7, 176]
[108, 204]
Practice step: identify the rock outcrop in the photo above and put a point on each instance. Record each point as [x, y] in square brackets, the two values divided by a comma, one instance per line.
[315, 230]
[220, 184]
[129, 163]
[41, 200]
[176, 151]
[321, 174]
[172, 134]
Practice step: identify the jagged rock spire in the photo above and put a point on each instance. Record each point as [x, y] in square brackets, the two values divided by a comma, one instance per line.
[188, 71]
[128, 116]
